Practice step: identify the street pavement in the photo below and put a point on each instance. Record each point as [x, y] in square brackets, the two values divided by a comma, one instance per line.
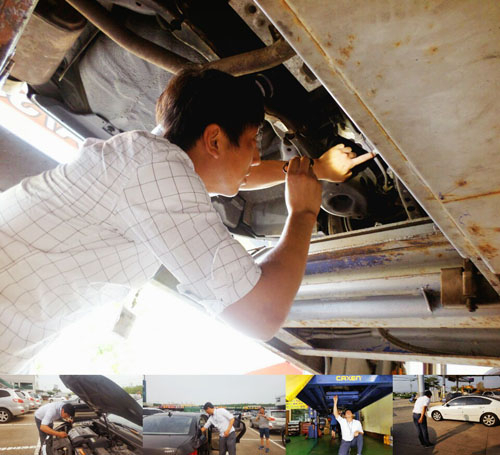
[19, 436]
[452, 437]
[250, 442]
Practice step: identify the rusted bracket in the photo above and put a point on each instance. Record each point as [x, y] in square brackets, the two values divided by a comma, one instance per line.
[459, 286]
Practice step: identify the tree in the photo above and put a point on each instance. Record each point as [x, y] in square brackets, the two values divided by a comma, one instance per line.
[431, 382]
[133, 389]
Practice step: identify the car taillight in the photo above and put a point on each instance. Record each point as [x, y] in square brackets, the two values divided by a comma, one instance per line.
[31, 399]
[195, 452]
[17, 400]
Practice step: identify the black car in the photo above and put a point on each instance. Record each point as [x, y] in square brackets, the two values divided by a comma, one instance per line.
[179, 433]
[115, 428]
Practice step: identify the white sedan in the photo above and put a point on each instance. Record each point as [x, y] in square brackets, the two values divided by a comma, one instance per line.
[471, 408]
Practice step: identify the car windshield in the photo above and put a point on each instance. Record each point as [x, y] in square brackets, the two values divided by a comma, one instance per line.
[175, 424]
[278, 414]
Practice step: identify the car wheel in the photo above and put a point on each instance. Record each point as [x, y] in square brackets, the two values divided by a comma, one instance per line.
[436, 415]
[5, 415]
[489, 419]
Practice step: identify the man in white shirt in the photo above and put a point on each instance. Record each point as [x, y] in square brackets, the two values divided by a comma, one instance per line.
[46, 415]
[92, 231]
[223, 420]
[420, 418]
[351, 430]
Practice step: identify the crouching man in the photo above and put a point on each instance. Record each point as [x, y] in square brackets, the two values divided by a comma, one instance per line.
[351, 429]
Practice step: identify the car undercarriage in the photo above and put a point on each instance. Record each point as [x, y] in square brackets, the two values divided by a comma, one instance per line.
[404, 262]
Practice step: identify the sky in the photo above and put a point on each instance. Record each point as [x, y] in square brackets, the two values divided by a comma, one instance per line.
[198, 389]
[408, 383]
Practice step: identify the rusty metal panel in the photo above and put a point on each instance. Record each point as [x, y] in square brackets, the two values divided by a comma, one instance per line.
[43, 46]
[402, 357]
[421, 81]
[14, 15]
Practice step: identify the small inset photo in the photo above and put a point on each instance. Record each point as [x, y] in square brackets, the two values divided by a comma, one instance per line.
[212, 415]
[70, 415]
[339, 414]
[447, 414]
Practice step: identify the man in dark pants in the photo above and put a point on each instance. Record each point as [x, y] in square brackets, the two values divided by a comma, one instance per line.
[351, 429]
[420, 419]
[46, 415]
[223, 420]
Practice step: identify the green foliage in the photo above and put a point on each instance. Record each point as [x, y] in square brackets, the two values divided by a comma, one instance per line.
[133, 389]
[431, 382]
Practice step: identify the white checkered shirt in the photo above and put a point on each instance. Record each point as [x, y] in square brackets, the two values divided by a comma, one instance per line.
[89, 231]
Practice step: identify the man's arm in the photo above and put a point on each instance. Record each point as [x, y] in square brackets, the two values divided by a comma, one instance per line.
[207, 425]
[335, 409]
[263, 310]
[335, 165]
[424, 410]
[52, 432]
[231, 422]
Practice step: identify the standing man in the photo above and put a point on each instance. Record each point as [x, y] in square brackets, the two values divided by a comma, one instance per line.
[46, 415]
[89, 232]
[263, 422]
[420, 419]
[223, 420]
[352, 431]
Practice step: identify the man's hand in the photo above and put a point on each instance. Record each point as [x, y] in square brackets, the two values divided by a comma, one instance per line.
[355, 433]
[226, 433]
[61, 434]
[303, 191]
[421, 419]
[336, 399]
[336, 164]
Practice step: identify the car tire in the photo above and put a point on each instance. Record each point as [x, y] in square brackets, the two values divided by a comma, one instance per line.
[5, 415]
[436, 415]
[489, 419]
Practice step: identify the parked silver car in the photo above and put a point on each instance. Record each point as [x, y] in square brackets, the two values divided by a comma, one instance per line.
[278, 422]
[27, 398]
[11, 405]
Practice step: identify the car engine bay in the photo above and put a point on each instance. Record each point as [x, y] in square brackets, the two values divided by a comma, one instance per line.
[90, 438]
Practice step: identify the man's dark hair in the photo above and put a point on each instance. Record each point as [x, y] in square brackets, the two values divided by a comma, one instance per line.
[208, 405]
[68, 408]
[197, 98]
[428, 393]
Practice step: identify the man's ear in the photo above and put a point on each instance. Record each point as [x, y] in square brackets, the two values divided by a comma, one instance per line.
[212, 140]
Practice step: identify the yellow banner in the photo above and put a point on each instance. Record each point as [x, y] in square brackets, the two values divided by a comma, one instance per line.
[296, 404]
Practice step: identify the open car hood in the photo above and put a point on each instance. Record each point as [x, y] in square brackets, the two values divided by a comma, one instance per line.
[104, 396]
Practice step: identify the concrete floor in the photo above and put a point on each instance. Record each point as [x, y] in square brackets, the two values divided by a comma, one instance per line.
[249, 443]
[452, 437]
[299, 445]
[19, 436]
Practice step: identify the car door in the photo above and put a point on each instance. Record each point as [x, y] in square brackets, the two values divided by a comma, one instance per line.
[454, 409]
[239, 427]
[475, 408]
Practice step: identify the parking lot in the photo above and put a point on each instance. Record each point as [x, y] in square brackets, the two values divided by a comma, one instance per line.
[451, 437]
[249, 444]
[19, 436]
